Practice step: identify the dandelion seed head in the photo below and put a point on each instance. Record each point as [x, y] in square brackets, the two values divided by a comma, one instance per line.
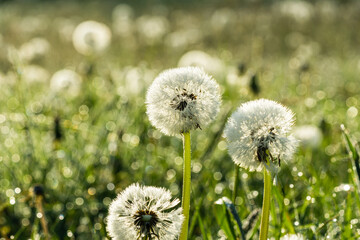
[308, 135]
[182, 99]
[66, 81]
[91, 37]
[141, 211]
[257, 129]
[152, 28]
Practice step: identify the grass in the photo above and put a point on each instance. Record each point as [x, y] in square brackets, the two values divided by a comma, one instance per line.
[107, 142]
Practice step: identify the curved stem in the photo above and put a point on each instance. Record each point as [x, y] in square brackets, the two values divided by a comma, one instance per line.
[266, 206]
[186, 185]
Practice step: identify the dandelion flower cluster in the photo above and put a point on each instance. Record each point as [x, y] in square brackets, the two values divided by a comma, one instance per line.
[259, 130]
[144, 212]
[91, 37]
[182, 99]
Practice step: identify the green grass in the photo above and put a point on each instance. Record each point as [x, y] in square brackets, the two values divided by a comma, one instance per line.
[108, 143]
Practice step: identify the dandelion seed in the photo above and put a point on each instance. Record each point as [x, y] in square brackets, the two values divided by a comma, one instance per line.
[141, 212]
[257, 130]
[182, 99]
[91, 37]
[293, 237]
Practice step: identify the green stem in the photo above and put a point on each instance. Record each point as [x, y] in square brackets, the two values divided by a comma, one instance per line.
[186, 185]
[266, 206]
[236, 184]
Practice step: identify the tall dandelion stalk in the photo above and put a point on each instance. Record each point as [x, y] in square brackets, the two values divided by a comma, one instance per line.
[91, 39]
[38, 192]
[186, 183]
[264, 225]
[257, 135]
[178, 101]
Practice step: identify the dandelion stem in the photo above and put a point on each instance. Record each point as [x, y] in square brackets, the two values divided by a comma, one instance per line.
[186, 185]
[266, 206]
[236, 183]
[39, 206]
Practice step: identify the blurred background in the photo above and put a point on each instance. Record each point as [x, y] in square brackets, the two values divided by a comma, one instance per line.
[74, 130]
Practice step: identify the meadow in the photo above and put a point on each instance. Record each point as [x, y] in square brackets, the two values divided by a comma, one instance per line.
[70, 149]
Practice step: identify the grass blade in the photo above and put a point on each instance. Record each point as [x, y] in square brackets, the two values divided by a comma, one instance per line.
[224, 220]
[353, 152]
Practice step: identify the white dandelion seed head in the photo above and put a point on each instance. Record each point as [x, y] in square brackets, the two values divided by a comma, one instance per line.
[152, 28]
[258, 126]
[91, 37]
[308, 135]
[292, 237]
[123, 12]
[144, 211]
[182, 99]
[66, 81]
